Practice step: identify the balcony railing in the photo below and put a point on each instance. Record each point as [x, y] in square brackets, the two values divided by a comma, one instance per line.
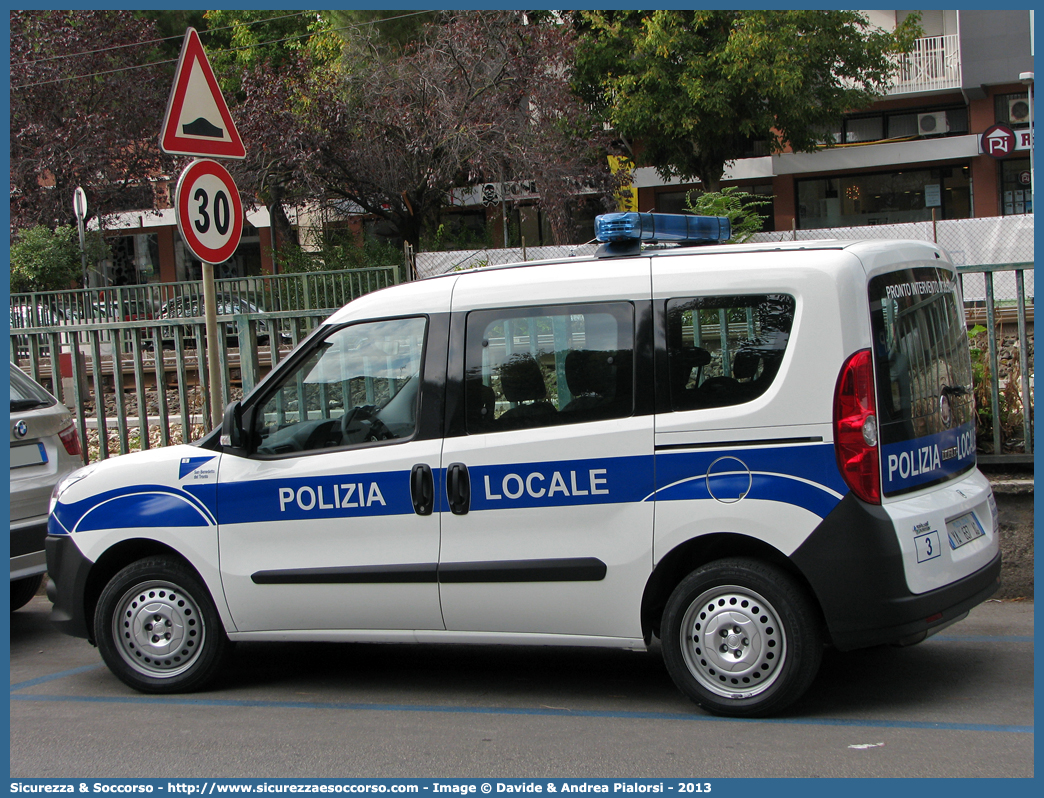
[934, 63]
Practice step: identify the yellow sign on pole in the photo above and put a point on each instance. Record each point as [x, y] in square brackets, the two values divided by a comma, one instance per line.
[627, 195]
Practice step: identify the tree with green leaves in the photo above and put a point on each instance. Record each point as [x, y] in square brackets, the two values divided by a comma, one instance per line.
[484, 98]
[43, 259]
[687, 91]
[388, 32]
[262, 60]
[88, 90]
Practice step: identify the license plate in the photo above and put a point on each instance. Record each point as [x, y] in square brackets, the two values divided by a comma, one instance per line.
[963, 529]
[28, 455]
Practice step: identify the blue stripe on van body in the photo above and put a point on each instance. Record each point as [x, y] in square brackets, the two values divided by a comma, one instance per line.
[132, 506]
[805, 476]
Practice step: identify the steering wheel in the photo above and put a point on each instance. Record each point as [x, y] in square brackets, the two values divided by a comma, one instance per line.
[361, 424]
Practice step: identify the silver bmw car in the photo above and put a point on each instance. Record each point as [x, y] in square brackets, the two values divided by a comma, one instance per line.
[44, 448]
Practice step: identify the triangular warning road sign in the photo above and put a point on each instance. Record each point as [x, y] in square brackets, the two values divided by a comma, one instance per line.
[197, 121]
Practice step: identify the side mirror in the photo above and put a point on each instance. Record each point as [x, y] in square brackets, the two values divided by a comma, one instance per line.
[237, 429]
[232, 427]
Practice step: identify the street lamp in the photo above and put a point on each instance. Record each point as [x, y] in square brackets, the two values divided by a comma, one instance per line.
[80, 209]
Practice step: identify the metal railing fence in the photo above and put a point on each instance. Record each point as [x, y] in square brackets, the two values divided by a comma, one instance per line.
[261, 293]
[131, 362]
[1007, 381]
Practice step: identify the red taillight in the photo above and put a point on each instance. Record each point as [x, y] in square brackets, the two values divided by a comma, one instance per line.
[70, 440]
[855, 427]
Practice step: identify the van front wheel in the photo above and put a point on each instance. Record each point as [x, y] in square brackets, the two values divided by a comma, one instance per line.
[157, 628]
[741, 638]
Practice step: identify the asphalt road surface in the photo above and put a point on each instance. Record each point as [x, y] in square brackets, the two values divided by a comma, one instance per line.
[958, 705]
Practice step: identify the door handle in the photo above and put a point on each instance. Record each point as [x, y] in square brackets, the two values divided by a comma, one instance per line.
[422, 489]
[458, 486]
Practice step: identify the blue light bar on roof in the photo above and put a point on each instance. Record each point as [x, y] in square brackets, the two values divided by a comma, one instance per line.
[662, 228]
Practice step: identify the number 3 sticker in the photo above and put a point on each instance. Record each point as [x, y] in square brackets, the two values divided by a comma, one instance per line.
[927, 546]
[209, 211]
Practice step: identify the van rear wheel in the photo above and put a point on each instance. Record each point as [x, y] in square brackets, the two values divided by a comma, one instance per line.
[158, 629]
[741, 638]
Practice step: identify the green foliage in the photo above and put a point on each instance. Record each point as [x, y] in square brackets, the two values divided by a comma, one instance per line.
[389, 31]
[450, 237]
[738, 206]
[1011, 409]
[240, 40]
[49, 260]
[698, 87]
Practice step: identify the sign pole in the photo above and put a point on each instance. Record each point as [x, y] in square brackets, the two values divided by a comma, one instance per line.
[209, 208]
[213, 345]
[210, 217]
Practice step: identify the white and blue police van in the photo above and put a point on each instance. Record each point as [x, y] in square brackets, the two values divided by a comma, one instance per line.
[744, 452]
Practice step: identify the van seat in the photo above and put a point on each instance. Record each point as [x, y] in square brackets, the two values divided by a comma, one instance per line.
[523, 385]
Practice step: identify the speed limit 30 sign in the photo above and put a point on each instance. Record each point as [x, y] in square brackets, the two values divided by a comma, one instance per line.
[209, 211]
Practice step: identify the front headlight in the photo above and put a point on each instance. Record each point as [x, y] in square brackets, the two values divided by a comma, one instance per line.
[67, 481]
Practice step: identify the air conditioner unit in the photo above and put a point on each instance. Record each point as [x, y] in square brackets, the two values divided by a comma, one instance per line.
[1018, 110]
[933, 124]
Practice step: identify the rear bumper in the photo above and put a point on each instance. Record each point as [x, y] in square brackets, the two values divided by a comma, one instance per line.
[912, 618]
[27, 547]
[67, 586]
[855, 567]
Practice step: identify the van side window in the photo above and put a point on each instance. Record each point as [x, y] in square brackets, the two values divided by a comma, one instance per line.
[725, 350]
[361, 384]
[541, 366]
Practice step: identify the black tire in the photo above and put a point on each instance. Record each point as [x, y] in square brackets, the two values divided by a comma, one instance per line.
[741, 638]
[23, 590]
[157, 628]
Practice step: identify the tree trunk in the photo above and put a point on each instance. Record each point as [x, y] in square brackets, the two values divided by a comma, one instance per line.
[283, 231]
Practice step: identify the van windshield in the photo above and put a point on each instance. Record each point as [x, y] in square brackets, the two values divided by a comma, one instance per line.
[923, 378]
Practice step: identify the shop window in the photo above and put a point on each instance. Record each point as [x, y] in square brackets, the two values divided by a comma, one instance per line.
[133, 260]
[884, 198]
[1016, 187]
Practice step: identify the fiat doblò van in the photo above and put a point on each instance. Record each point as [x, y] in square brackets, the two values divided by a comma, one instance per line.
[746, 451]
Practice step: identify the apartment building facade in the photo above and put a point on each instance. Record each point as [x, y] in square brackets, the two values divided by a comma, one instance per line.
[952, 135]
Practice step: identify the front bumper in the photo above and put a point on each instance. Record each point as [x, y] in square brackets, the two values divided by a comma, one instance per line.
[66, 589]
[855, 567]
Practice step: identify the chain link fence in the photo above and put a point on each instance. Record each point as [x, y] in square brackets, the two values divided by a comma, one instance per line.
[430, 264]
[993, 241]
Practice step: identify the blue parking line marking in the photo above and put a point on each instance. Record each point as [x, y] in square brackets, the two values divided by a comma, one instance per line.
[556, 713]
[53, 676]
[981, 639]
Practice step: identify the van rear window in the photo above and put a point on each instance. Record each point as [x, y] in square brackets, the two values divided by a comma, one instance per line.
[923, 377]
[725, 350]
